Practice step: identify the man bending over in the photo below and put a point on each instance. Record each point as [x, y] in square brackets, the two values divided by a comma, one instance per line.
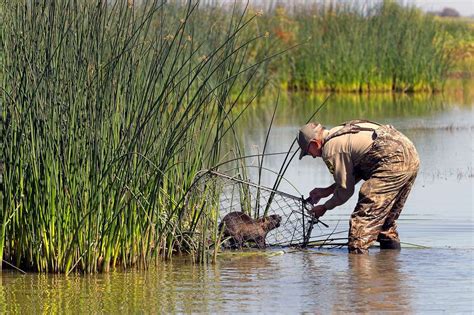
[379, 154]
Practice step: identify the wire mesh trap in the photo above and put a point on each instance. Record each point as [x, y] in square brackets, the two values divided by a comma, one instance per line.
[260, 204]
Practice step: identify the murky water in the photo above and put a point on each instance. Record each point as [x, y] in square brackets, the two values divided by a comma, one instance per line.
[413, 280]
[438, 215]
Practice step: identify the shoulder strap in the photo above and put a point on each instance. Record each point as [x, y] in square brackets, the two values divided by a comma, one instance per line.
[351, 127]
[361, 121]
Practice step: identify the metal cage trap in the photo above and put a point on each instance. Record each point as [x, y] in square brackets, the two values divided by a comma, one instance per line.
[232, 193]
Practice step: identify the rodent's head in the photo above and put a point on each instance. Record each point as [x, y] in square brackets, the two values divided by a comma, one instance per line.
[271, 222]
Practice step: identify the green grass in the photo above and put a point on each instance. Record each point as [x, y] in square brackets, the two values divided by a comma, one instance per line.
[348, 47]
[109, 113]
[460, 34]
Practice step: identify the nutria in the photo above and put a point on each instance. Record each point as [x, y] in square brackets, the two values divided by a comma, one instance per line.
[240, 228]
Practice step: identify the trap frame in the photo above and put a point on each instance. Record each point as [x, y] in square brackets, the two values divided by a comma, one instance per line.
[234, 193]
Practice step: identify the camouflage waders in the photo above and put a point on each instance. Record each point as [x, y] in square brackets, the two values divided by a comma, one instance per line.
[389, 169]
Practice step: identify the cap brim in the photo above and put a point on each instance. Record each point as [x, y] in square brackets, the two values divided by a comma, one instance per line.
[302, 153]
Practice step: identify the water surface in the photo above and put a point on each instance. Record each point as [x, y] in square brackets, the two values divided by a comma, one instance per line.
[413, 280]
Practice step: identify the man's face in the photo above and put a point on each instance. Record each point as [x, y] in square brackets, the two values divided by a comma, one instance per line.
[314, 148]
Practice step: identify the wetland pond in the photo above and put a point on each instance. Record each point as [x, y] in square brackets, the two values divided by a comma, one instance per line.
[436, 276]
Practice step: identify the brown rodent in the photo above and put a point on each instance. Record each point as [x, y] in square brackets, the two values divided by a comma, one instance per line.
[241, 228]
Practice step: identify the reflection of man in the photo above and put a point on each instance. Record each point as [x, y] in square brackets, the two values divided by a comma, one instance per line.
[374, 284]
[379, 154]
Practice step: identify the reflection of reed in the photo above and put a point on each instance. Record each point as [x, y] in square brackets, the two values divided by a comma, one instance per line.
[447, 174]
[167, 288]
[246, 264]
[3, 297]
[341, 107]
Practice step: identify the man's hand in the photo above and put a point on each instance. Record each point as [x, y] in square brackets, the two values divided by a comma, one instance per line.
[318, 211]
[315, 195]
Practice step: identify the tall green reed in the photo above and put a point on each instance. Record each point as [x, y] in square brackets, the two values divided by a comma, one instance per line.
[352, 46]
[110, 111]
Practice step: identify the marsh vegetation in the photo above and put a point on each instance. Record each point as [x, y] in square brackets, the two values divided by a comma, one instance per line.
[109, 110]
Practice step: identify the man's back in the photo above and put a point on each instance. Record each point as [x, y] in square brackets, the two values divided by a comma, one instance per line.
[354, 144]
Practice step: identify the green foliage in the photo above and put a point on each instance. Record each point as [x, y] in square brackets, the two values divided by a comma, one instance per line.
[385, 47]
[460, 42]
[110, 110]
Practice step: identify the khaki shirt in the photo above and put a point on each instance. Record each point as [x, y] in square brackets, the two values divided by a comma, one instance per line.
[341, 154]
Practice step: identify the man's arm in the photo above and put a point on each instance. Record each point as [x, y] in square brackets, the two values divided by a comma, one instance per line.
[344, 178]
[318, 193]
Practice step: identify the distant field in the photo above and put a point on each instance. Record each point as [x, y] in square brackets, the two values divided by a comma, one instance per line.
[461, 46]
[387, 48]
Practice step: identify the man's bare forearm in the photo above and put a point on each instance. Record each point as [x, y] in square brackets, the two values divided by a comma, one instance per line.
[328, 191]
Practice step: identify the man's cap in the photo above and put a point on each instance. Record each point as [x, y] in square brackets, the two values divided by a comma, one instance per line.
[307, 133]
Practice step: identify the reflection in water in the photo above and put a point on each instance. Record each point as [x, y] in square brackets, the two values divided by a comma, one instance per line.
[295, 108]
[242, 281]
[321, 282]
[245, 264]
[375, 283]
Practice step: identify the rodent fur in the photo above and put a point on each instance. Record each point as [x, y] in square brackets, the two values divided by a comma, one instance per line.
[240, 227]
